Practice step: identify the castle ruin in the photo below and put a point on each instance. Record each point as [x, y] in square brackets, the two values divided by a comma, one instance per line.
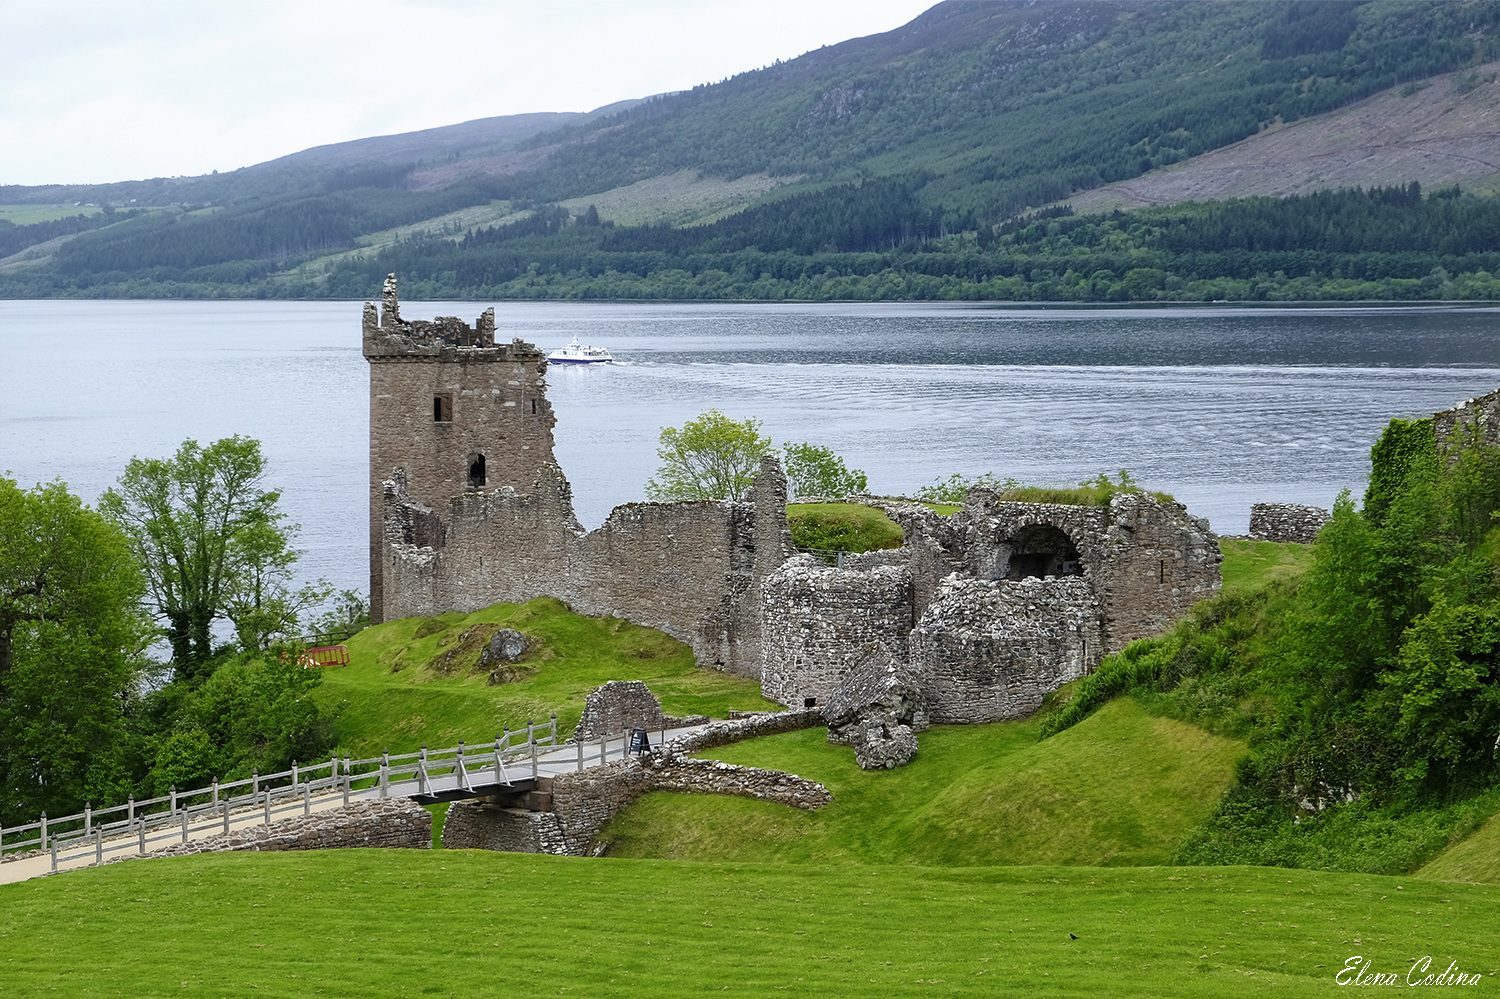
[990, 608]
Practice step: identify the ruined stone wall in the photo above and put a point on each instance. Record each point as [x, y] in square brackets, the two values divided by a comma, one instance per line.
[991, 651]
[444, 398]
[1479, 417]
[583, 803]
[1286, 522]
[1159, 563]
[396, 823]
[691, 570]
[821, 621]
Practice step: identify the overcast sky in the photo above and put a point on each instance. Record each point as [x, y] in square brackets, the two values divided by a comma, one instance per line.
[103, 90]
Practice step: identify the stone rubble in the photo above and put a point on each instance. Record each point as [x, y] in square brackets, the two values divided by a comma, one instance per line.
[878, 710]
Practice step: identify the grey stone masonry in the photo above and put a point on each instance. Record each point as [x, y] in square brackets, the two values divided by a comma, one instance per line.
[1478, 417]
[583, 803]
[621, 705]
[878, 710]
[398, 823]
[1287, 522]
[992, 650]
[822, 621]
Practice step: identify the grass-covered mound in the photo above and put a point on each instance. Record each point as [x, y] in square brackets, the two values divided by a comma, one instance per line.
[418, 680]
[1122, 788]
[1249, 565]
[381, 923]
[842, 527]
[1367, 687]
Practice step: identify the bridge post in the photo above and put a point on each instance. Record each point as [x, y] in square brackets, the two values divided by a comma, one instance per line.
[603, 750]
[531, 738]
[499, 767]
[130, 809]
[554, 728]
[460, 775]
[54, 855]
[306, 798]
[266, 801]
[254, 783]
[88, 813]
[348, 778]
[296, 777]
[333, 771]
[422, 771]
[98, 846]
[44, 830]
[225, 805]
[173, 792]
[578, 741]
[216, 791]
[385, 773]
[140, 832]
[184, 825]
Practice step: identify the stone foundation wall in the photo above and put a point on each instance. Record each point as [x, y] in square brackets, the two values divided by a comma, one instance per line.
[1479, 416]
[392, 823]
[691, 570]
[820, 622]
[1286, 522]
[991, 651]
[584, 802]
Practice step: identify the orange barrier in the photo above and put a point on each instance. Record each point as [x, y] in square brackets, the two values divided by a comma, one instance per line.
[326, 655]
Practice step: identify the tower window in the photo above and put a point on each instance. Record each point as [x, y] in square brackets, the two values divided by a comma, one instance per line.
[476, 473]
[442, 408]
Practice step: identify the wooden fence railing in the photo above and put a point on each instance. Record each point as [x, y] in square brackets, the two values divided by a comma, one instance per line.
[140, 826]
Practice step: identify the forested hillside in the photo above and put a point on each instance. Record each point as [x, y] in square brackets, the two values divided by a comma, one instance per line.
[903, 160]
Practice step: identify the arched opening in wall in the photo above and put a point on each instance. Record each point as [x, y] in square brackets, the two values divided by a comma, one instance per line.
[1042, 550]
[476, 473]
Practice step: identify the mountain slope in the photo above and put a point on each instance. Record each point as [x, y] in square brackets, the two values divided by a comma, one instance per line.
[1440, 132]
[961, 119]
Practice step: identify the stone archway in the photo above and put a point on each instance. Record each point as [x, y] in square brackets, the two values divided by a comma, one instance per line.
[1039, 550]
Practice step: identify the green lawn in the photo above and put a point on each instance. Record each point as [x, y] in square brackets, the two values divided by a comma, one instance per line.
[1249, 565]
[381, 923]
[1121, 788]
[1476, 859]
[416, 680]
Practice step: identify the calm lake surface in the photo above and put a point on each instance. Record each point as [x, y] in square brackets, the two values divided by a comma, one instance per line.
[1221, 406]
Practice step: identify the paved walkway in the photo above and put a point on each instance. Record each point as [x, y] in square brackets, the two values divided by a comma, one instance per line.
[550, 763]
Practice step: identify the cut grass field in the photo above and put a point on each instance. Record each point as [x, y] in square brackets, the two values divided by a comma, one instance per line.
[417, 680]
[1121, 788]
[359, 923]
[1249, 565]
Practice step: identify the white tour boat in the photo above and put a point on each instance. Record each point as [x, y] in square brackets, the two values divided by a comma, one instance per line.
[579, 353]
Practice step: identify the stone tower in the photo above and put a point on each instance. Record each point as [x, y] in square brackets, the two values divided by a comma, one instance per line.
[450, 413]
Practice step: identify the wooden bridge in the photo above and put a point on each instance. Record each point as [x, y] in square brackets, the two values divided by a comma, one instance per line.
[511, 765]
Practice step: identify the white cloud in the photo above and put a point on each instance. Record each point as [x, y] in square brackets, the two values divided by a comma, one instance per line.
[97, 90]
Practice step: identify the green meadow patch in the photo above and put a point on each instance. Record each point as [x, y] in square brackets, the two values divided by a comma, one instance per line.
[843, 527]
[1121, 788]
[418, 680]
[381, 923]
[1250, 565]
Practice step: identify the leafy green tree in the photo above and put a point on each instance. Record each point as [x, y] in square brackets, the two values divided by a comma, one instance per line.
[814, 470]
[71, 641]
[212, 542]
[712, 457]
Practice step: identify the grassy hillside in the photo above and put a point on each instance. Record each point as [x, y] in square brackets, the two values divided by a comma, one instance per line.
[1120, 789]
[418, 681]
[380, 923]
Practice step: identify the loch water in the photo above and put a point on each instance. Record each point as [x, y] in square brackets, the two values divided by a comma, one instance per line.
[1220, 406]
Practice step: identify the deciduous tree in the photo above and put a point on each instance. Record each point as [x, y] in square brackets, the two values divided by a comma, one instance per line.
[712, 457]
[71, 640]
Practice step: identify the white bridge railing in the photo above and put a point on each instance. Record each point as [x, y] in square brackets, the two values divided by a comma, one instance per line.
[141, 826]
